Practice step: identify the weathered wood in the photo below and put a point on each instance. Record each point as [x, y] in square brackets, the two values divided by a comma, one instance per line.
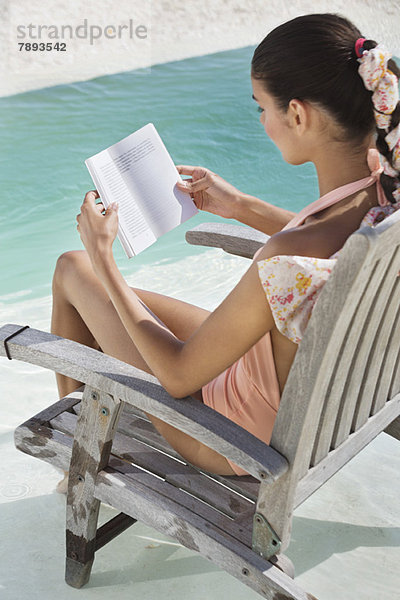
[308, 386]
[143, 430]
[386, 386]
[131, 416]
[337, 386]
[381, 363]
[134, 420]
[350, 391]
[44, 443]
[234, 239]
[134, 386]
[239, 528]
[176, 472]
[395, 383]
[112, 528]
[356, 441]
[364, 328]
[36, 438]
[394, 428]
[94, 432]
[164, 515]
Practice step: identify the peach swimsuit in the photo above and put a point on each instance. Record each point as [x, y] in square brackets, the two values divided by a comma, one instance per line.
[248, 392]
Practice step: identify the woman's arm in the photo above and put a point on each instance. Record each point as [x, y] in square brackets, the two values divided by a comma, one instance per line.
[181, 367]
[227, 333]
[212, 193]
[261, 215]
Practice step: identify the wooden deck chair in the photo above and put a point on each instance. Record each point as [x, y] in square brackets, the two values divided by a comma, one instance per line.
[342, 391]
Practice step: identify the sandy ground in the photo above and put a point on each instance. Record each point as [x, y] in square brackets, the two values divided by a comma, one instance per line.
[108, 41]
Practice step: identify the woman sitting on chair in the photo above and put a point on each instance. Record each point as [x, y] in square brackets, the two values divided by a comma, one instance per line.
[325, 95]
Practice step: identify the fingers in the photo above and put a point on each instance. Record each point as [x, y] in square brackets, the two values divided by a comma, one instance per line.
[90, 200]
[185, 169]
[113, 208]
[189, 170]
[194, 186]
[91, 197]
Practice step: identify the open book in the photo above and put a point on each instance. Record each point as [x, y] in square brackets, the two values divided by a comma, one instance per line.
[139, 174]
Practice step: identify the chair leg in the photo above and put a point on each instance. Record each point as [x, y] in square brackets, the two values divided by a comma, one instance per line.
[394, 428]
[283, 563]
[94, 433]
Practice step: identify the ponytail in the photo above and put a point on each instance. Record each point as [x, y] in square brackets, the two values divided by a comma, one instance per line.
[315, 58]
[380, 75]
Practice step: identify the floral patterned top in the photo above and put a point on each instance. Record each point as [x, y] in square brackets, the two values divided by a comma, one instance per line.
[292, 284]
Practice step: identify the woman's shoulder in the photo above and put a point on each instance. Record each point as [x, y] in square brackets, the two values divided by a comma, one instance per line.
[292, 271]
[312, 240]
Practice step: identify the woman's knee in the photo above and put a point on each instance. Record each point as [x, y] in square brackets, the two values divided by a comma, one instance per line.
[69, 263]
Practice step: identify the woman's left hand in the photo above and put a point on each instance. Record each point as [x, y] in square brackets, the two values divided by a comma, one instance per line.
[97, 230]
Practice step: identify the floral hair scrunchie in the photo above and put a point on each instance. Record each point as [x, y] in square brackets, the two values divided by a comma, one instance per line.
[384, 85]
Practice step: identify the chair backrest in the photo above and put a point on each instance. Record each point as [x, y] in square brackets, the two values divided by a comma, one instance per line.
[347, 365]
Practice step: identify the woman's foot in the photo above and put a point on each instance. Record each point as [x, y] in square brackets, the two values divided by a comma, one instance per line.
[62, 486]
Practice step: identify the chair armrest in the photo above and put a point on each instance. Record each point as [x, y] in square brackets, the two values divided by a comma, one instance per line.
[234, 239]
[133, 386]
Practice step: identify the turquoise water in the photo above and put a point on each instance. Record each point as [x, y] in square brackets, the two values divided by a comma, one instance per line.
[202, 109]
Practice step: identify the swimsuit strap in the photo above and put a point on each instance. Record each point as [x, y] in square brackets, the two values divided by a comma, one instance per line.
[344, 191]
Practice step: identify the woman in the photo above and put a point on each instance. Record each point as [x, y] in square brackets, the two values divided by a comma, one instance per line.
[323, 92]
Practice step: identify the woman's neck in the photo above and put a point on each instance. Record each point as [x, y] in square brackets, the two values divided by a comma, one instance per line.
[336, 167]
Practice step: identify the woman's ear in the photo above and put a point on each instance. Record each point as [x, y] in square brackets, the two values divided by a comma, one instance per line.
[299, 115]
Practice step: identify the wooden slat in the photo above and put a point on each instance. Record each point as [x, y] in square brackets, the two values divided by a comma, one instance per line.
[308, 382]
[346, 381]
[365, 329]
[131, 497]
[135, 423]
[246, 485]
[394, 428]
[112, 528]
[383, 359]
[134, 386]
[36, 438]
[239, 527]
[299, 413]
[55, 447]
[44, 443]
[234, 239]
[342, 368]
[395, 383]
[176, 472]
[145, 431]
[349, 380]
[65, 404]
[337, 458]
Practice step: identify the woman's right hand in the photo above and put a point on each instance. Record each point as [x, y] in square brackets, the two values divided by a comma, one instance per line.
[209, 191]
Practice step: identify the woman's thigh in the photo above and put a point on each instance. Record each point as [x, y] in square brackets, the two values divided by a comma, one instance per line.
[82, 288]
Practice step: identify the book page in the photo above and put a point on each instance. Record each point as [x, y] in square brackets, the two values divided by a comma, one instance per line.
[134, 232]
[139, 174]
[149, 172]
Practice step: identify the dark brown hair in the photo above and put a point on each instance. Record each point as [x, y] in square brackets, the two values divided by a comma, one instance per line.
[312, 58]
